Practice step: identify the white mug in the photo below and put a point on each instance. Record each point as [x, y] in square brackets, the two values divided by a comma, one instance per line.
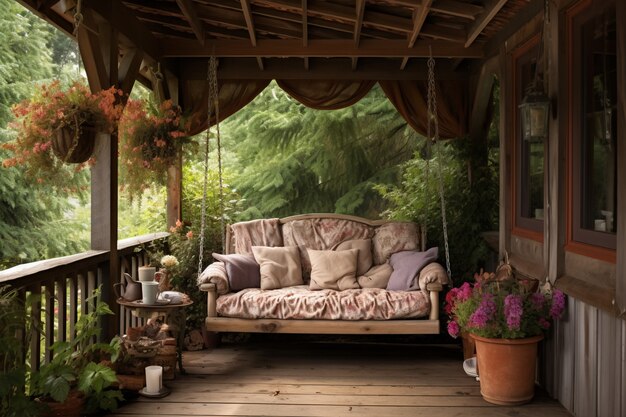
[150, 292]
[146, 273]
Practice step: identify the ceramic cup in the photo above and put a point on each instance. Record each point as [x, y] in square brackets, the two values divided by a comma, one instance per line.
[150, 292]
[146, 273]
[599, 225]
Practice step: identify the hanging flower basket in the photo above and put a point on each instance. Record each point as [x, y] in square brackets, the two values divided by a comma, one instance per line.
[74, 143]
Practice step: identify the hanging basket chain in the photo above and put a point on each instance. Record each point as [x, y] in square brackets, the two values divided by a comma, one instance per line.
[433, 118]
[78, 16]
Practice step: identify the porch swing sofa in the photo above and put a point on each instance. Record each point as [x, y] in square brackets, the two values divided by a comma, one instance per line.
[305, 309]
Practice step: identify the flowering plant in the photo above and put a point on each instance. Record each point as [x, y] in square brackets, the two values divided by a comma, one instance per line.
[150, 141]
[509, 309]
[169, 261]
[39, 119]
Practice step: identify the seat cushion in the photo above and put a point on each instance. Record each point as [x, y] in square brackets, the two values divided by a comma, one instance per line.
[301, 303]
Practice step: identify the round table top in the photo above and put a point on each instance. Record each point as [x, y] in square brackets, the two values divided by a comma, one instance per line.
[158, 306]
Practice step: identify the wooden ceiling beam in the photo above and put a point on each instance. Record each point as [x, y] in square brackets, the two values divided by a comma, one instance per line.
[191, 15]
[319, 69]
[419, 17]
[259, 62]
[318, 48]
[358, 23]
[444, 33]
[492, 7]
[127, 25]
[129, 69]
[305, 25]
[247, 14]
[457, 8]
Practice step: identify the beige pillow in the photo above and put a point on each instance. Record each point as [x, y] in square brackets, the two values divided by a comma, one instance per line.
[279, 266]
[364, 258]
[333, 270]
[377, 277]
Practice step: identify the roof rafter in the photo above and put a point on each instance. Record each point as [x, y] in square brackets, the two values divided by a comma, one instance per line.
[492, 7]
[247, 15]
[419, 17]
[191, 15]
[358, 24]
[305, 25]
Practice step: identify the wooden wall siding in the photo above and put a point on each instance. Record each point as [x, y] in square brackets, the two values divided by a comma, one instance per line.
[527, 256]
[585, 362]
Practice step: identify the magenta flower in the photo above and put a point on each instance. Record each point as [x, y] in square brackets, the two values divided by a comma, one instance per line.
[484, 312]
[513, 311]
[537, 300]
[558, 304]
[453, 329]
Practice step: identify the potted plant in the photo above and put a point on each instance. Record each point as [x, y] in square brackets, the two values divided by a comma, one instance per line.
[506, 318]
[78, 377]
[151, 138]
[57, 126]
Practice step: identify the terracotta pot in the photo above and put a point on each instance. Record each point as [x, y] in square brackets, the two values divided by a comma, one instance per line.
[72, 145]
[72, 406]
[506, 368]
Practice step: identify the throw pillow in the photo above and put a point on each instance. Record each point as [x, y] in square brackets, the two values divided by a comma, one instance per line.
[376, 277]
[406, 267]
[333, 270]
[364, 257]
[279, 266]
[242, 271]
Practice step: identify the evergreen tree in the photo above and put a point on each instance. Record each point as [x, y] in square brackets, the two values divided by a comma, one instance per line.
[291, 159]
[34, 222]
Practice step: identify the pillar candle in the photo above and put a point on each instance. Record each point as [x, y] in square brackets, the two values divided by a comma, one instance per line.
[154, 375]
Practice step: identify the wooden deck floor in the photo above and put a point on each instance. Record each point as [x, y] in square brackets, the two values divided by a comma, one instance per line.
[291, 377]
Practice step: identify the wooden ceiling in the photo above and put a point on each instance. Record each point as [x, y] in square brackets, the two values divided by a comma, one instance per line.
[301, 38]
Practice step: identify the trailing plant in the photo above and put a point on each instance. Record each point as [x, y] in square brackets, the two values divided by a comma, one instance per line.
[39, 119]
[151, 139]
[81, 364]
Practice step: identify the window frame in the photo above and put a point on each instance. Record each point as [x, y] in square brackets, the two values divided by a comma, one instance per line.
[523, 226]
[595, 244]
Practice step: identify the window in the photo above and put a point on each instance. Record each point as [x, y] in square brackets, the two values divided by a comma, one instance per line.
[529, 156]
[593, 142]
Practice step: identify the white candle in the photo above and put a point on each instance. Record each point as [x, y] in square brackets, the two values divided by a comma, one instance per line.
[154, 375]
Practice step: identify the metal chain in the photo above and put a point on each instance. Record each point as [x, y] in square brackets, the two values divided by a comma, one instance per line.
[78, 16]
[433, 118]
[207, 139]
[216, 106]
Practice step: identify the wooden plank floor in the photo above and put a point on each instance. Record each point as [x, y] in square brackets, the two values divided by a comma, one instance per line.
[288, 376]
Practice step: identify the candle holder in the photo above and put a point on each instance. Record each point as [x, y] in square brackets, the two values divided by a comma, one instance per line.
[154, 383]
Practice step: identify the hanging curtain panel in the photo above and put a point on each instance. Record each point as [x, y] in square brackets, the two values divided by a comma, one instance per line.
[326, 94]
[410, 99]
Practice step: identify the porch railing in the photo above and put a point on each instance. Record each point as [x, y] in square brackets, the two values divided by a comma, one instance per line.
[57, 290]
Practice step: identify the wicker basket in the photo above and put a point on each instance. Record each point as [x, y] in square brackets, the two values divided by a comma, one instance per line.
[166, 357]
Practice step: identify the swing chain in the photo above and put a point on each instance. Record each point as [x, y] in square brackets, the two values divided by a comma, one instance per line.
[78, 16]
[433, 118]
[216, 107]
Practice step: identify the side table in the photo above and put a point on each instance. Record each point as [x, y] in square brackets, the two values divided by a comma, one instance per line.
[173, 314]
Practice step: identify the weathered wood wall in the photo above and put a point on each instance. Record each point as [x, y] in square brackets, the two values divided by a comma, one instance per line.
[584, 362]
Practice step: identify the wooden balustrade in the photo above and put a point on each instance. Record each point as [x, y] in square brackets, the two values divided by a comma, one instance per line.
[56, 292]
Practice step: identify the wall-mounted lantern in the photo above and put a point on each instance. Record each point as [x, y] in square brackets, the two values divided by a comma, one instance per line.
[535, 115]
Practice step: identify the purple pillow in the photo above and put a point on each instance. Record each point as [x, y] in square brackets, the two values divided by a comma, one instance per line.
[242, 270]
[407, 266]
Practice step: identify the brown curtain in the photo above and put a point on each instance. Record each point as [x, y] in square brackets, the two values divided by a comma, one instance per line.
[326, 94]
[233, 96]
[410, 99]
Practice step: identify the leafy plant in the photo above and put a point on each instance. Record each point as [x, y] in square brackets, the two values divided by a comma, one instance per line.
[509, 308]
[151, 139]
[13, 372]
[77, 363]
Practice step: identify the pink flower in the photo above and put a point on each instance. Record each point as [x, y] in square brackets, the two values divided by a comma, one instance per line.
[513, 311]
[453, 329]
[179, 224]
[558, 304]
[189, 235]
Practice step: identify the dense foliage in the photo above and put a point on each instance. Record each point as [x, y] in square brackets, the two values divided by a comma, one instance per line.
[471, 196]
[34, 222]
[290, 159]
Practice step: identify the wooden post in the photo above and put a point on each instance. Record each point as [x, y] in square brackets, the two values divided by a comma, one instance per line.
[505, 154]
[620, 290]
